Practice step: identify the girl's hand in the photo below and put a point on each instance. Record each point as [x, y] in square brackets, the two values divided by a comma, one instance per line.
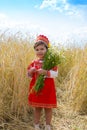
[42, 71]
[31, 71]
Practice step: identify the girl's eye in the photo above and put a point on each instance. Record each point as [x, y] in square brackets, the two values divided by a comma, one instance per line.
[36, 49]
[42, 49]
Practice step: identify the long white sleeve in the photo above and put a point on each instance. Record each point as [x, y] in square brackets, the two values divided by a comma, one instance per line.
[53, 74]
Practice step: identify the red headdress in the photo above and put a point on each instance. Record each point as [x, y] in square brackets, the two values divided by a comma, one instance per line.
[42, 38]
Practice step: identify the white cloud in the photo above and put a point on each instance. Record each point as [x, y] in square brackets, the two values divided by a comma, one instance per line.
[47, 3]
[62, 30]
[3, 18]
[60, 5]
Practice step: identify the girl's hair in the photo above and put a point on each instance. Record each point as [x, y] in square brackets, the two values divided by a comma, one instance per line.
[40, 43]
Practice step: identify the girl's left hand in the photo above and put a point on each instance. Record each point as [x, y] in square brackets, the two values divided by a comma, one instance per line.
[41, 71]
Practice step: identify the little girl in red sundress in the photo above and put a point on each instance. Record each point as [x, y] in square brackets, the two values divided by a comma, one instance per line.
[46, 97]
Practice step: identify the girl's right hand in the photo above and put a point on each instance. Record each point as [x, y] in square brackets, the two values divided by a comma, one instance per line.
[31, 71]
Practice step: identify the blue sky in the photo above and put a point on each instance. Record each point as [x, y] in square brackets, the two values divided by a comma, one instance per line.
[58, 19]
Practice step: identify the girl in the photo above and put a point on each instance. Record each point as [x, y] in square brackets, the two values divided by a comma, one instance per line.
[46, 97]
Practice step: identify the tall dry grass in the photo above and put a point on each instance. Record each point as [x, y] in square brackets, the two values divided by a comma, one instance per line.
[74, 75]
[14, 59]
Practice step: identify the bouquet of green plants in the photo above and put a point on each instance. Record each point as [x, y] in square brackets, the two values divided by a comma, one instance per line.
[51, 59]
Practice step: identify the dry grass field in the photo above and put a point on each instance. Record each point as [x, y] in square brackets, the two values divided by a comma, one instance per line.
[71, 85]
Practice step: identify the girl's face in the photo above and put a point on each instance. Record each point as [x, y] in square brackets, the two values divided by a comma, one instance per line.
[40, 51]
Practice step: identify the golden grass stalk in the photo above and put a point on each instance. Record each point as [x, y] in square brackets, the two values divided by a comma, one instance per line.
[14, 59]
[76, 82]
